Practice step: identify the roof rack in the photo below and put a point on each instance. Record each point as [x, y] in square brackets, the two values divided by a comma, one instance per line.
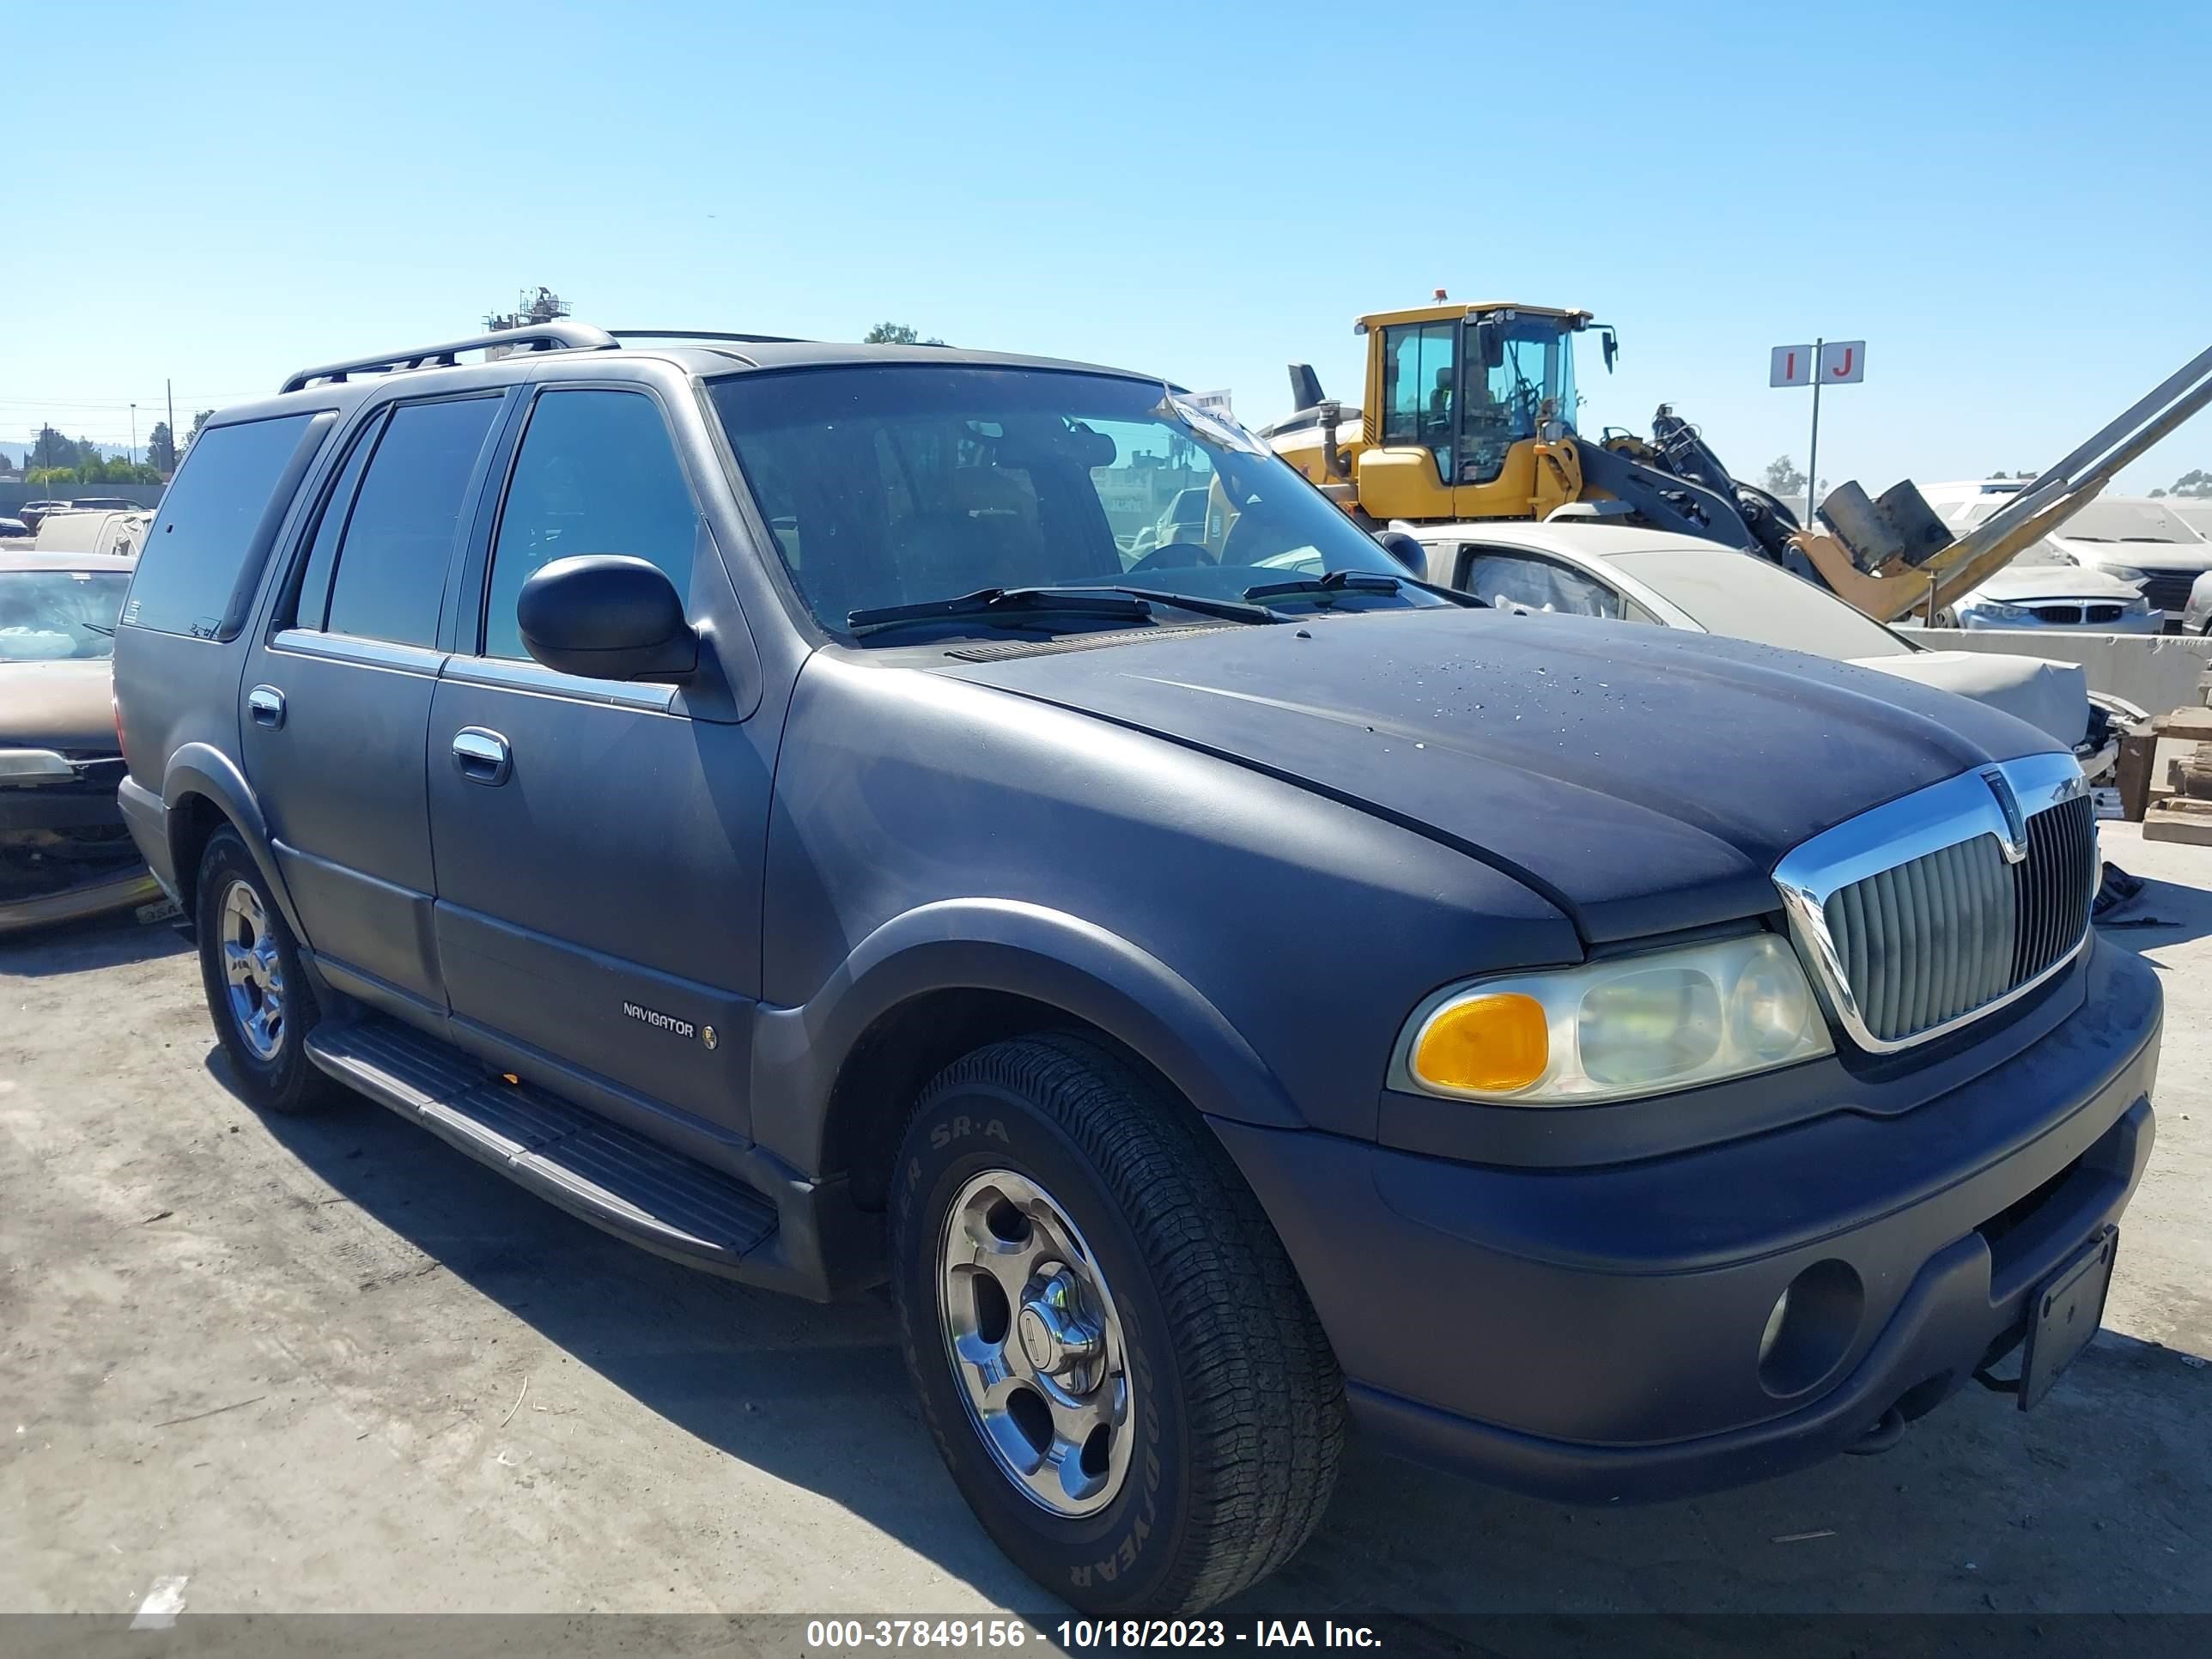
[538, 336]
[706, 334]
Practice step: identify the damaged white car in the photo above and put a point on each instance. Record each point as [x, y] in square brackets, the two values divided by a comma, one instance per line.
[1588, 568]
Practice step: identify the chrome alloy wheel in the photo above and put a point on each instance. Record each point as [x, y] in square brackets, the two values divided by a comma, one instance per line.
[1030, 1330]
[252, 970]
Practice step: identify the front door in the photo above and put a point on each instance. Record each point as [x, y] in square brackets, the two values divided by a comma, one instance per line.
[335, 702]
[598, 843]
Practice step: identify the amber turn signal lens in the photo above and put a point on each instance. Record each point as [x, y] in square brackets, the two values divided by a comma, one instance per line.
[1494, 1044]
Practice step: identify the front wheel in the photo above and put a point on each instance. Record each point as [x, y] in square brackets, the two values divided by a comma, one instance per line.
[1112, 1350]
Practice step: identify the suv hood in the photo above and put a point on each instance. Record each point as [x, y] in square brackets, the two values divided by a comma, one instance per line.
[2142, 556]
[63, 704]
[1641, 779]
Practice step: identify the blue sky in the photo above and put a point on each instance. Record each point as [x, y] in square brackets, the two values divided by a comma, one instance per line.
[2009, 202]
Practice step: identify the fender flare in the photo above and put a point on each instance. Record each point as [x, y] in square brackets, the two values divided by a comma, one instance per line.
[200, 769]
[1026, 950]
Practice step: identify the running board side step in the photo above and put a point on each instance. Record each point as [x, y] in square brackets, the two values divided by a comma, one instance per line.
[608, 1176]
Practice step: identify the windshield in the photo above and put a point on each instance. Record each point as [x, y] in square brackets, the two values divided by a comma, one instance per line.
[1528, 377]
[2127, 521]
[49, 615]
[899, 485]
[1736, 594]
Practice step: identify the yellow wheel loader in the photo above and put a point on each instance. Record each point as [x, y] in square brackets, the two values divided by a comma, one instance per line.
[1469, 412]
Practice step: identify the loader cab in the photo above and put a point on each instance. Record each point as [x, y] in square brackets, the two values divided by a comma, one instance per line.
[1463, 402]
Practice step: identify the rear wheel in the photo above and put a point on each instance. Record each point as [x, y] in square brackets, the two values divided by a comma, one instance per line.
[1112, 1350]
[258, 996]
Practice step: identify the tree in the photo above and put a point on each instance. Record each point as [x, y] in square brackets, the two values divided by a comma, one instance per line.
[198, 421]
[49, 448]
[2196, 482]
[97, 470]
[1783, 477]
[161, 448]
[895, 334]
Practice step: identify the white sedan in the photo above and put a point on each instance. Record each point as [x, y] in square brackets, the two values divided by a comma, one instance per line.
[1592, 568]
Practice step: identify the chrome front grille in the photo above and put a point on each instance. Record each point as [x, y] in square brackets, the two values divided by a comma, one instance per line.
[2053, 885]
[1923, 913]
[2168, 590]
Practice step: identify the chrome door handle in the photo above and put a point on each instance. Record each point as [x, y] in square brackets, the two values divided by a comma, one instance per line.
[482, 755]
[266, 704]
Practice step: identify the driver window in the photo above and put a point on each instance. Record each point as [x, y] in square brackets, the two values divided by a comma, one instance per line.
[596, 473]
[1508, 580]
[1419, 384]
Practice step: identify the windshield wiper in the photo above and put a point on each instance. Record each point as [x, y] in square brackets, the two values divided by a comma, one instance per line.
[1361, 581]
[1228, 609]
[1000, 605]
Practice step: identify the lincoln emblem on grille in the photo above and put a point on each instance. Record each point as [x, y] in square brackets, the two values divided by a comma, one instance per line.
[2015, 833]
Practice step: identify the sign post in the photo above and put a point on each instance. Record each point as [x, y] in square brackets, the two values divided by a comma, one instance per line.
[1841, 362]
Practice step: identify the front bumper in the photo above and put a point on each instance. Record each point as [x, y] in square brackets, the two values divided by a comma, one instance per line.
[63, 854]
[127, 890]
[1593, 1333]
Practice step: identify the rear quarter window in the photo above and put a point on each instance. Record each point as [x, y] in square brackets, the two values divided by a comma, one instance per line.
[202, 558]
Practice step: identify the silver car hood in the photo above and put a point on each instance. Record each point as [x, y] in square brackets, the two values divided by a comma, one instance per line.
[2056, 582]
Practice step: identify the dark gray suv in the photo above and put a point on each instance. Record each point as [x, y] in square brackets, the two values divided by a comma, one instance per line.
[770, 799]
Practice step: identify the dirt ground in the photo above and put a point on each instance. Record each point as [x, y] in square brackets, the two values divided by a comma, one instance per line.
[331, 1365]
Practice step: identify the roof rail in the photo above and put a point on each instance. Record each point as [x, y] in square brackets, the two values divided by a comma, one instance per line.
[706, 334]
[538, 336]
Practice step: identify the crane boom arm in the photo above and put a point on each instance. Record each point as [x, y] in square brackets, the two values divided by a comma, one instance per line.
[1897, 587]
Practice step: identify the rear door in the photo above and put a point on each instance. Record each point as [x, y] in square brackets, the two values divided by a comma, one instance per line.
[599, 842]
[336, 699]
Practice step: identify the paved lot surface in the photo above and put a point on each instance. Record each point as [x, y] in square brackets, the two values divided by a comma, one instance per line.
[331, 1365]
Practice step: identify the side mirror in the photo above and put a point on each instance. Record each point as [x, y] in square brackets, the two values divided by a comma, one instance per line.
[1407, 551]
[1611, 342]
[1490, 344]
[609, 616]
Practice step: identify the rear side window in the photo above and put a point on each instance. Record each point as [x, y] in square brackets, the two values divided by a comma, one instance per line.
[400, 538]
[211, 522]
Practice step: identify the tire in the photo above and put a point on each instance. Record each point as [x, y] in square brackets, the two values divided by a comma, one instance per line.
[269, 1058]
[1232, 1419]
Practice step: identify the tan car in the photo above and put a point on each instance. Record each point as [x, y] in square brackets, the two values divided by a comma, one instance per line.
[63, 850]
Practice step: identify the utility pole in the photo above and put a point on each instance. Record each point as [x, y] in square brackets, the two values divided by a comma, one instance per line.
[1813, 460]
[169, 390]
[133, 453]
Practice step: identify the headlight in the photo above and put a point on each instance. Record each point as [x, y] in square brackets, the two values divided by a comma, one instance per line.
[1991, 609]
[1616, 1031]
[2126, 573]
